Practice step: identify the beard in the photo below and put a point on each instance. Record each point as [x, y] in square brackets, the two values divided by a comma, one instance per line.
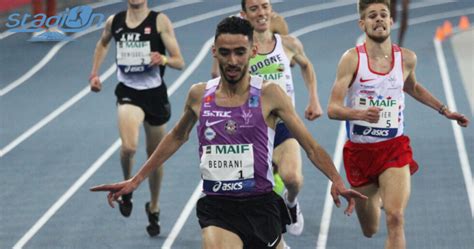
[378, 39]
[234, 80]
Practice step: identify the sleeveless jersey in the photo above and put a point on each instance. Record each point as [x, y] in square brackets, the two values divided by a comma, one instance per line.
[133, 52]
[235, 145]
[275, 67]
[385, 91]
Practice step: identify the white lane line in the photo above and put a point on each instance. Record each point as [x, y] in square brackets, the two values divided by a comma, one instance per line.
[214, 13]
[192, 67]
[55, 49]
[318, 7]
[323, 235]
[52, 115]
[77, 97]
[68, 194]
[458, 134]
[328, 202]
[183, 217]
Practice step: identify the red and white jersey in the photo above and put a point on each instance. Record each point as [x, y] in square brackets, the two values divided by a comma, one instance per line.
[384, 90]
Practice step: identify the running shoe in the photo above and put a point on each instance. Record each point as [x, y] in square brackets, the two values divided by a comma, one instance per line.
[153, 228]
[297, 220]
[126, 205]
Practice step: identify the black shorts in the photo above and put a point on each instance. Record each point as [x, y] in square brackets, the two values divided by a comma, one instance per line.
[154, 102]
[259, 221]
[281, 134]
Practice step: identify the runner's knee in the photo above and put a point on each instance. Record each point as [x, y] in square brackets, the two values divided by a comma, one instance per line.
[292, 178]
[128, 150]
[370, 230]
[394, 218]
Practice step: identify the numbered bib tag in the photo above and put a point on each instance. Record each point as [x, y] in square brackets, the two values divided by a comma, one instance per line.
[228, 168]
[388, 123]
[133, 56]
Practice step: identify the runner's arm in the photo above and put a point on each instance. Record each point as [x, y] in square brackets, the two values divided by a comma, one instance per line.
[165, 149]
[283, 108]
[175, 138]
[165, 27]
[336, 109]
[313, 110]
[278, 24]
[421, 94]
[100, 52]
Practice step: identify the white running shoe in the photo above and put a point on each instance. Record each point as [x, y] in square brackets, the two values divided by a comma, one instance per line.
[297, 220]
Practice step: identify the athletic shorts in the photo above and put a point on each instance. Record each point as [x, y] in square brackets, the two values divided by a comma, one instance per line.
[154, 102]
[281, 134]
[259, 220]
[365, 162]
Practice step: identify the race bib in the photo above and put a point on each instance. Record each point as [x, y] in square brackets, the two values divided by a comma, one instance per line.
[133, 56]
[388, 123]
[280, 79]
[228, 168]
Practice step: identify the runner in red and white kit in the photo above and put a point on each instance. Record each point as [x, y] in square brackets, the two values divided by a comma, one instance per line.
[377, 157]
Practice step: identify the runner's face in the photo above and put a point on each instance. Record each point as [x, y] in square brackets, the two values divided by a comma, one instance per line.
[233, 52]
[377, 22]
[258, 13]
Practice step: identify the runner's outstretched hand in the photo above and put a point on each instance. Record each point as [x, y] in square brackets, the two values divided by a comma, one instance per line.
[116, 190]
[338, 189]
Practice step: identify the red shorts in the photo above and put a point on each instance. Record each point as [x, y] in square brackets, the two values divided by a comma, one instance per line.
[365, 162]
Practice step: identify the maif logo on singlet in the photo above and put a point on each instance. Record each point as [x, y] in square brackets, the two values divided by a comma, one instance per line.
[53, 28]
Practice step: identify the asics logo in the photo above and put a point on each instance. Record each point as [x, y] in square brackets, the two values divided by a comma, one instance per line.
[375, 132]
[231, 186]
[208, 124]
[367, 131]
[217, 186]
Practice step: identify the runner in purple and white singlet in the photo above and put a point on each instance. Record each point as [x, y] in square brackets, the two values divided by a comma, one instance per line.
[237, 117]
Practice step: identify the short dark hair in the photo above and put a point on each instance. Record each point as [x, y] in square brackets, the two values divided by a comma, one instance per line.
[243, 4]
[236, 26]
[364, 4]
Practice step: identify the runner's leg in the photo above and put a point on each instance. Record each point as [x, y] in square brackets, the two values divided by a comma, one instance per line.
[368, 211]
[395, 193]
